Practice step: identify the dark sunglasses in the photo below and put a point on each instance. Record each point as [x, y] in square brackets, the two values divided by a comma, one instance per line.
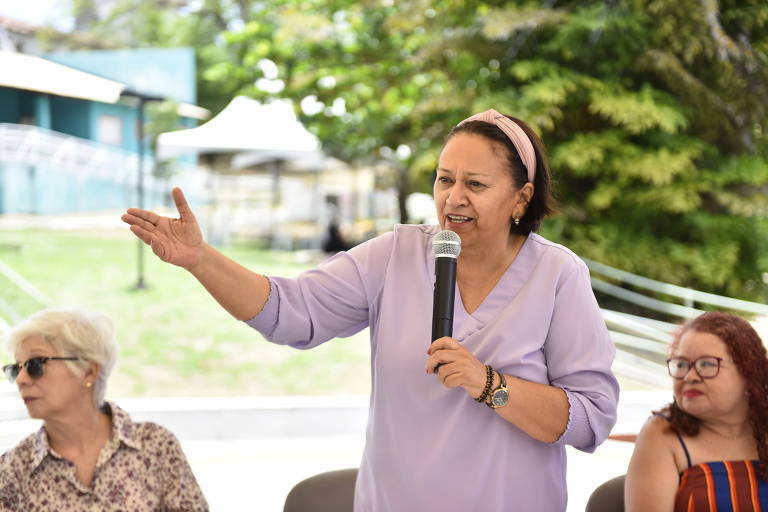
[33, 365]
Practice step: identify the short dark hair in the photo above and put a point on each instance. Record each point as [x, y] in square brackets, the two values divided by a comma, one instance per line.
[542, 201]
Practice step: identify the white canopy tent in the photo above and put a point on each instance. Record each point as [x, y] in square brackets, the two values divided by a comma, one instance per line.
[306, 161]
[263, 139]
[244, 125]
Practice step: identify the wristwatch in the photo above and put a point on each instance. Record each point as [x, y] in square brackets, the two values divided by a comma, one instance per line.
[499, 396]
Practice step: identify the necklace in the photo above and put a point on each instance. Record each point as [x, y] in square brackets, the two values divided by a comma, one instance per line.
[730, 438]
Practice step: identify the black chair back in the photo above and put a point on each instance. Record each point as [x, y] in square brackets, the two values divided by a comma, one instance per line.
[333, 491]
[608, 497]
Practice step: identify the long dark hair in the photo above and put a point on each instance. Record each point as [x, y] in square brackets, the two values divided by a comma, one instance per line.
[749, 355]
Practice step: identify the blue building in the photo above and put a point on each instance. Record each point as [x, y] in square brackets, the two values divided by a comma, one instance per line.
[69, 127]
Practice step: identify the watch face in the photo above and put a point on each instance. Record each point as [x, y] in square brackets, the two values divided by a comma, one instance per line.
[500, 398]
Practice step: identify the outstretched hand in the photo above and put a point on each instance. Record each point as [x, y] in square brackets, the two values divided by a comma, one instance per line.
[177, 241]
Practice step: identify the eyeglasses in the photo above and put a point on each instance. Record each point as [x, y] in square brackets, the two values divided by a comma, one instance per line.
[33, 365]
[706, 367]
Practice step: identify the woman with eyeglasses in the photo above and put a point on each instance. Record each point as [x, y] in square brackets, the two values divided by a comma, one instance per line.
[708, 449]
[88, 455]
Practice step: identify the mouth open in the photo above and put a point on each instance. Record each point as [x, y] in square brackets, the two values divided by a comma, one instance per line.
[458, 219]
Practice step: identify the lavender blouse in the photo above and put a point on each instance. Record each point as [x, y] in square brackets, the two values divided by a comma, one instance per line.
[141, 469]
[432, 448]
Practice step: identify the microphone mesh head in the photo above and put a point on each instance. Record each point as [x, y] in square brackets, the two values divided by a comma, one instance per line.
[446, 244]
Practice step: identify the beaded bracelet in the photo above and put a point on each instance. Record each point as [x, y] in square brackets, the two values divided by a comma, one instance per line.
[488, 384]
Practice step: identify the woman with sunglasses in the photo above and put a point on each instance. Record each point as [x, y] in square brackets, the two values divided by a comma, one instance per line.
[88, 455]
[708, 449]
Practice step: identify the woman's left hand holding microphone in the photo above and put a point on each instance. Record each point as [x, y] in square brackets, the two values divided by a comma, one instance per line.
[456, 366]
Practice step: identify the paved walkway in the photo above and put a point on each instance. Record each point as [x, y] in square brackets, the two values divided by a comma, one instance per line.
[247, 452]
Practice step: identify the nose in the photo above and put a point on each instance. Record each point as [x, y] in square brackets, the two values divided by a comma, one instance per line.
[23, 378]
[457, 195]
[692, 375]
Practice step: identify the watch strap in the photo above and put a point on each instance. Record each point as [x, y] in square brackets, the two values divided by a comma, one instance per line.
[502, 386]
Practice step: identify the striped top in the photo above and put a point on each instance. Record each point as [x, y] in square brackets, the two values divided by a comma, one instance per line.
[727, 486]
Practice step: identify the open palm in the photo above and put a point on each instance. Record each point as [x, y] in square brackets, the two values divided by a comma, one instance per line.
[178, 241]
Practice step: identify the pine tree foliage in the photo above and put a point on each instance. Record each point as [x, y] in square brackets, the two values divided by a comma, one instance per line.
[654, 115]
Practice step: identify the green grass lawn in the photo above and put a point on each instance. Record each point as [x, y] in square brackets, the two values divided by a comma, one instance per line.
[174, 338]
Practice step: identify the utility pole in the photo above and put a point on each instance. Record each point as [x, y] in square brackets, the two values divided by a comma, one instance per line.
[140, 284]
[142, 99]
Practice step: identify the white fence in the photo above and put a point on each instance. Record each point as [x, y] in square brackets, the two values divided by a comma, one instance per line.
[642, 342]
[44, 171]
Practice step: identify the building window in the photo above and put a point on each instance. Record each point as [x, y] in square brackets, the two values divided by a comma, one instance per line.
[110, 130]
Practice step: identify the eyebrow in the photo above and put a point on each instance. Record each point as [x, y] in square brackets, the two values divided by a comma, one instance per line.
[37, 353]
[468, 173]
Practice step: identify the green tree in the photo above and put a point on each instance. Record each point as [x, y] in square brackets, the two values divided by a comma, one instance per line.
[657, 135]
[164, 23]
[653, 111]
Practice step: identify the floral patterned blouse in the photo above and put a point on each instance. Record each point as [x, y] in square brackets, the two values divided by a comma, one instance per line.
[141, 468]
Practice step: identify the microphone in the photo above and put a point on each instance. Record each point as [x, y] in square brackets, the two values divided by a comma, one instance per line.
[446, 247]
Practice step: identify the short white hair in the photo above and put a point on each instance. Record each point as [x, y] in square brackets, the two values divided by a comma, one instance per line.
[73, 332]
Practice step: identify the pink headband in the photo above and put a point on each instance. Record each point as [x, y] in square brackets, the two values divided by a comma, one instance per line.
[516, 134]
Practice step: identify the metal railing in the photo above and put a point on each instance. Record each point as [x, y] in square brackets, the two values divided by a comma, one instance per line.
[33, 146]
[642, 342]
[688, 295]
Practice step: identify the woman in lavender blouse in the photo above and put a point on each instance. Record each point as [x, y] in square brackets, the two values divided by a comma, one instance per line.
[526, 372]
[88, 455]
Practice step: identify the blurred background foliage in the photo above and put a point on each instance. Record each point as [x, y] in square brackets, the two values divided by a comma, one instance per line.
[654, 112]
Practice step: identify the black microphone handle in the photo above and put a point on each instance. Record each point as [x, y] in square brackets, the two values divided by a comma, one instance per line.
[445, 292]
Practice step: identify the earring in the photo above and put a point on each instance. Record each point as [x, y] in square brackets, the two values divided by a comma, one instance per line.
[88, 384]
[517, 221]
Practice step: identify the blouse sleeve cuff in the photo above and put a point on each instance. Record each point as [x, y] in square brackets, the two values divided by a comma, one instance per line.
[265, 320]
[578, 432]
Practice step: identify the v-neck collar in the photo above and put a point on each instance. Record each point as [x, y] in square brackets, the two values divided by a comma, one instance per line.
[505, 290]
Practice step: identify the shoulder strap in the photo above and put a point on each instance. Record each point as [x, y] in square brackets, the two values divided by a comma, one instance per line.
[679, 438]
